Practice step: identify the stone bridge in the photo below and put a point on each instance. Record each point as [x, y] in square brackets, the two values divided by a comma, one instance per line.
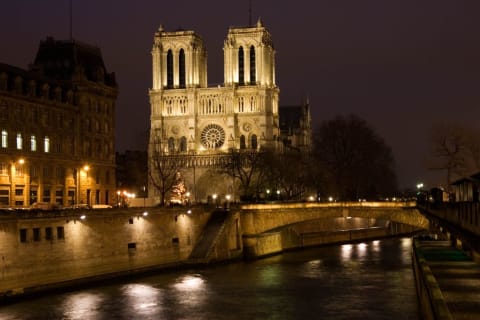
[272, 228]
[260, 218]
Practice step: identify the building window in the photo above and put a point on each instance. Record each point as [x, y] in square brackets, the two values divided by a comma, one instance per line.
[4, 197]
[36, 234]
[181, 68]
[47, 172]
[48, 233]
[241, 104]
[60, 173]
[241, 66]
[252, 65]
[33, 196]
[23, 235]
[59, 196]
[4, 139]
[183, 144]
[46, 144]
[3, 169]
[71, 197]
[254, 142]
[242, 142]
[169, 69]
[33, 143]
[19, 141]
[33, 172]
[60, 233]
[46, 195]
[171, 145]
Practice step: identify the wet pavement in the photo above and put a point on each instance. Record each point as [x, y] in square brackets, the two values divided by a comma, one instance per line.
[458, 278]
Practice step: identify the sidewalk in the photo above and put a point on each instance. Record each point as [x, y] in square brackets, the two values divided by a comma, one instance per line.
[457, 276]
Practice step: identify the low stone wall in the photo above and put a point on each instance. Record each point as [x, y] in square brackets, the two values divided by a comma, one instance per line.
[432, 304]
[269, 243]
[38, 250]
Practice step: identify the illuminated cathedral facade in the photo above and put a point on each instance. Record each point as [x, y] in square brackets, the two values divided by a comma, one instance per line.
[203, 123]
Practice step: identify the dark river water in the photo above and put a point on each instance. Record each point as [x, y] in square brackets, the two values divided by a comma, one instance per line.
[370, 280]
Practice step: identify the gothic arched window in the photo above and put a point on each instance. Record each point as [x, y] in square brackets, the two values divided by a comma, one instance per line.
[253, 143]
[169, 69]
[241, 66]
[171, 145]
[183, 144]
[253, 78]
[242, 142]
[181, 68]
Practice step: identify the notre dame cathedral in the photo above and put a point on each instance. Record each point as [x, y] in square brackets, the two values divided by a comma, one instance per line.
[201, 124]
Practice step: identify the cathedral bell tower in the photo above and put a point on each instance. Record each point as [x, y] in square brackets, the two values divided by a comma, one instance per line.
[179, 60]
[249, 57]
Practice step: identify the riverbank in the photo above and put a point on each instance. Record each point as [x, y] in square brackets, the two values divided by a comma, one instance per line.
[447, 281]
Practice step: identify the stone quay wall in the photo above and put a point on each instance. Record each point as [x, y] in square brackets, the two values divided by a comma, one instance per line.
[41, 249]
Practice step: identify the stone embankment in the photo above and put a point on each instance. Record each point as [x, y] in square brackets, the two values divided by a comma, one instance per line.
[447, 281]
[43, 250]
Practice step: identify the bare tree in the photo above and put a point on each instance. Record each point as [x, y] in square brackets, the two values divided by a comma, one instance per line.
[245, 166]
[288, 172]
[455, 150]
[163, 172]
[356, 161]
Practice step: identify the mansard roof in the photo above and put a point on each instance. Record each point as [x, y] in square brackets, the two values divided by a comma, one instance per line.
[65, 59]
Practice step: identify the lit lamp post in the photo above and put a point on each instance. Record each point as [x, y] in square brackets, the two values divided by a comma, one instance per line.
[214, 197]
[13, 175]
[118, 198]
[268, 194]
[85, 169]
[144, 195]
[227, 202]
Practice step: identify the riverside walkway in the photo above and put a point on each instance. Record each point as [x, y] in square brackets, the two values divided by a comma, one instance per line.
[450, 281]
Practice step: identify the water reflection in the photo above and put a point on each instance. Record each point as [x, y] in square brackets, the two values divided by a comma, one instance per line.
[83, 305]
[144, 299]
[190, 290]
[371, 280]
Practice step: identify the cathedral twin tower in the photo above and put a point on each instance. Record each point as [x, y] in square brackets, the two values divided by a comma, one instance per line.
[188, 117]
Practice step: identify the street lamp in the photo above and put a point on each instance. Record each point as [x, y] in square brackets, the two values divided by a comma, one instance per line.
[227, 203]
[85, 169]
[16, 171]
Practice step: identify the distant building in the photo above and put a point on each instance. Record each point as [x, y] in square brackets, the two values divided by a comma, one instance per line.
[57, 123]
[296, 127]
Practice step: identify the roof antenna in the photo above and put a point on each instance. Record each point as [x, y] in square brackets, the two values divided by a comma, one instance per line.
[71, 20]
[249, 13]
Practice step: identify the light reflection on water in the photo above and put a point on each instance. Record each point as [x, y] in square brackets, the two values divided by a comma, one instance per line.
[370, 280]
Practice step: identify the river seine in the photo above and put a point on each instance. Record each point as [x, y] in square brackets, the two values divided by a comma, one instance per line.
[370, 280]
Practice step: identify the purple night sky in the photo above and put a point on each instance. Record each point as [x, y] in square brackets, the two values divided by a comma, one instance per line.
[402, 65]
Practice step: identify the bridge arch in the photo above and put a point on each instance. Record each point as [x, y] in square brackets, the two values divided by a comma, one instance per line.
[260, 218]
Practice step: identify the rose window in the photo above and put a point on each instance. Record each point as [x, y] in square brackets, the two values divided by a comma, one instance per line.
[213, 136]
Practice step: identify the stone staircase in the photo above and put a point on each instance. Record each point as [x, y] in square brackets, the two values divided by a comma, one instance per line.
[206, 243]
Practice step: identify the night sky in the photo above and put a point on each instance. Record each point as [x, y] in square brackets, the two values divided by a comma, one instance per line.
[401, 65]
